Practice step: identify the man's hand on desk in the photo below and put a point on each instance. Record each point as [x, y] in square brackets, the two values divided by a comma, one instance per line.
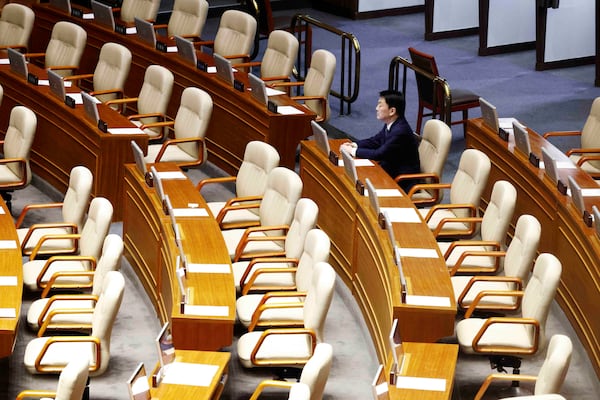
[350, 147]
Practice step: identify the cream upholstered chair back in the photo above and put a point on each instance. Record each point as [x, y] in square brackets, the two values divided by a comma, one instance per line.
[77, 196]
[556, 364]
[540, 291]
[110, 260]
[96, 227]
[318, 299]
[305, 218]
[259, 159]
[434, 146]
[316, 371]
[278, 205]
[16, 23]
[470, 179]
[280, 55]
[17, 142]
[319, 79]
[192, 119]
[499, 212]
[590, 134]
[143, 9]
[105, 313]
[299, 391]
[155, 94]
[188, 18]
[73, 378]
[112, 69]
[316, 249]
[66, 46]
[522, 248]
[235, 34]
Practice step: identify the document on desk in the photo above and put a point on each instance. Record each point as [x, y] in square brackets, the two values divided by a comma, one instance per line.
[8, 313]
[416, 383]
[8, 244]
[274, 92]
[125, 131]
[181, 373]
[432, 301]
[171, 175]
[288, 110]
[358, 162]
[87, 16]
[206, 311]
[385, 193]
[8, 281]
[208, 268]
[171, 49]
[190, 212]
[418, 253]
[4, 61]
[399, 214]
[590, 192]
[76, 97]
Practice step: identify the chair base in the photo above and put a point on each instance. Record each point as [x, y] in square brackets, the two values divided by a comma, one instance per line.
[500, 363]
[288, 373]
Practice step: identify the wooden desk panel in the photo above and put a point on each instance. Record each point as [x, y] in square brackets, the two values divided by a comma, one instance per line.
[563, 232]
[10, 297]
[151, 249]
[363, 257]
[236, 119]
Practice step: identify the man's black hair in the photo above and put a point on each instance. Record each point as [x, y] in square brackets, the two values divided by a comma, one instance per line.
[394, 99]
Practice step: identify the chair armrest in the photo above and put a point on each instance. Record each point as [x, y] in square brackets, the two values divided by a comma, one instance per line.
[33, 228]
[288, 84]
[248, 286]
[68, 339]
[267, 384]
[154, 124]
[247, 64]
[172, 142]
[286, 331]
[561, 133]
[30, 207]
[507, 279]
[43, 239]
[263, 306]
[232, 204]
[149, 115]
[427, 186]
[245, 57]
[45, 320]
[37, 394]
[63, 67]
[160, 26]
[275, 78]
[247, 238]
[34, 55]
[321, 99]
[78, 77]
[207, 43]
[23, 166]
[118, 92]
[502, 377]
[47, 264]
[51, 284]
[506, 350]
[222, 179]
[472, 220]
[456, 268]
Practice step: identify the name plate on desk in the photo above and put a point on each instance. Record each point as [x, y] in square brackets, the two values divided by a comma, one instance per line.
[161, 46]
[503, 134]
[360, 187]
[31, 78]
[70, 101]
[103, 126]
[333, 158]
[202, 66]
[562, 188]
[272, 106]
[239, 86]
[534, 160]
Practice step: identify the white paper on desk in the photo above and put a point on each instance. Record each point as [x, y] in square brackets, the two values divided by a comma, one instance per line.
[211, 70]
[8, 281]
[565, 165]
[8, 312]
[76, 97]
[171, 175]
[88, 16]
[131, 30]
[190, 212]
[433, 301]
[385, 193]
[410, 382]
[206, 311]
[400, 214]
[43, 82]
[196, 268]
[125, 131]
[171, 49]
[288, 110]
[358, 162]
[274, 92]
[507, 123]
[418, 253]
[181, 373]
[4, 61]
[590, 192]
[8, 244]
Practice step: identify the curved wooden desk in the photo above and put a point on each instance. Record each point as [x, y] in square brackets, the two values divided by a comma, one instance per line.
[151, 249]
[236, 118]
[362, 254]
[11, 282]
[563, 232]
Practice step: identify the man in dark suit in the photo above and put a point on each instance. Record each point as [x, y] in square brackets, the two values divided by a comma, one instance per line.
[395, 147]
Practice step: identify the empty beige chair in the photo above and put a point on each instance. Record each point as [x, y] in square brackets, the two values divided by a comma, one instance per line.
[494, 227]
[187, 148]
[518, 260]
[187, 19]
[51, 354]
[314, 375]
[433, 152]
[72, 208]
[290, 347]
[551, 376]
[279, 58]
[71, 382]
[142, 9]
[16, 23]
[465, 194]
[112, 69]
[37, 274]
[64, 49]
[587, 157]
[45, 311]
[284, 308]
[15, 172]
[276, 211]
[235, 36]
[317, 84]
[152, 100]
[506, 339]
[250, 184]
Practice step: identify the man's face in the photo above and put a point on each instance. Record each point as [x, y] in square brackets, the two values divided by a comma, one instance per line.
[384, 112]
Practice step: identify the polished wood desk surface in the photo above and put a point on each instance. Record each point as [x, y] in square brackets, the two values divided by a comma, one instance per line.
[10, 294]
[564, 233]
[363, 256]
[236, 118]
[65, 137]
[152, 251]
[170, 391]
